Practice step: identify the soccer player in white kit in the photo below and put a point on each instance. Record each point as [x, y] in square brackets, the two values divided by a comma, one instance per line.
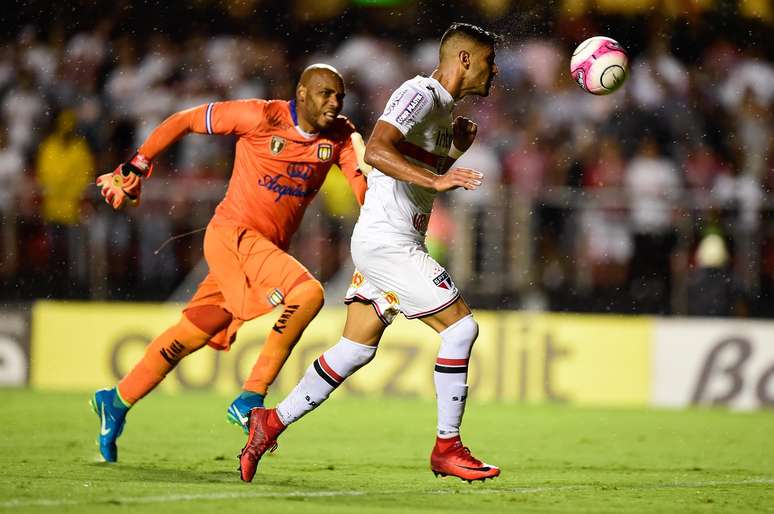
[411, 150]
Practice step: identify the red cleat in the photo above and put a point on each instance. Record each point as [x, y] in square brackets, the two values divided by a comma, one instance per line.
[265, 426]
[450, 458]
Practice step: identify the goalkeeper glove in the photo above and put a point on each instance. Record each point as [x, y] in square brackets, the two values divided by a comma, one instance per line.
[359, 145]
[125, 182]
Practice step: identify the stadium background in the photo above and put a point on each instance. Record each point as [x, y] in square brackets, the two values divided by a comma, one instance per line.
[655, 200]
[586, 257]
[579, 212]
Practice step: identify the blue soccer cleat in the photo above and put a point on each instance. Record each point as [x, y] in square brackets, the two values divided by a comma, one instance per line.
[238, 412]
[111, 410]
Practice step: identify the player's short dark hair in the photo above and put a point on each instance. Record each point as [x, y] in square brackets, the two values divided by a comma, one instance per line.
[473, 32]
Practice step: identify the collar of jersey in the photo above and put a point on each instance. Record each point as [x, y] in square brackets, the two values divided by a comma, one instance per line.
[449, 98]
[308, 135]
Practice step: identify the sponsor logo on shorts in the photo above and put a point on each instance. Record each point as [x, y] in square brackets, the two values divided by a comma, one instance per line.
[411, 108]
[275, 297]
[276, 144]
[392, 297]
[443, 281]
[357, 279]
[325, 151]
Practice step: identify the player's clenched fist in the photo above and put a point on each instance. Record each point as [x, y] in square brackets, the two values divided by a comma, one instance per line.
[125, 182]
[463, 133]
[458, 177]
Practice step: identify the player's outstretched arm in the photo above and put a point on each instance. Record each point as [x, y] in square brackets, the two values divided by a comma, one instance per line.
[233, 117]
[382, 154]
[125, 182]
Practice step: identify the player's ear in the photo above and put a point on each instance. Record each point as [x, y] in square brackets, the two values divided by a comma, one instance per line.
[301, 93]
[464, 57]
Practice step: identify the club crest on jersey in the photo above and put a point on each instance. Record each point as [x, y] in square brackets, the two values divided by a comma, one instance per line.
[443, 281]
[325, 151]
[392, 297]
[276, 145]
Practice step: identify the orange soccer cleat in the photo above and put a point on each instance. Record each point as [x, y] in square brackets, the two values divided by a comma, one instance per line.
[265, 426]
[450, 458]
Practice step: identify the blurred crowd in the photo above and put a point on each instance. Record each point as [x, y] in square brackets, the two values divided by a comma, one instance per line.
[620, 192]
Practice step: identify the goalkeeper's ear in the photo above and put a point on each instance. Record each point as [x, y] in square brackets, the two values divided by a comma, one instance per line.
[359, 145]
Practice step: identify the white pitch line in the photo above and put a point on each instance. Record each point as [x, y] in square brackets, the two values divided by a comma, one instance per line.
[167, 498]
[22, 503]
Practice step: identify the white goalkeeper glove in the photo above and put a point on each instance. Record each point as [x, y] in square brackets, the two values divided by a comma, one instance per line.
[359, 145]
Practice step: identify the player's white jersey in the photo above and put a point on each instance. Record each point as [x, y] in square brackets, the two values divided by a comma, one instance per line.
[395, 211]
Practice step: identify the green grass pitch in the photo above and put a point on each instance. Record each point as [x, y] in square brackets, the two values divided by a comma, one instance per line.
[178, 455]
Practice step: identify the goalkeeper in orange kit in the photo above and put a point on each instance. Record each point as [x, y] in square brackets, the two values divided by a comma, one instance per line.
[284, 150]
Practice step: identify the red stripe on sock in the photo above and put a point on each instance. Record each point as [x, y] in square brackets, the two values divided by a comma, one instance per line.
[335, 376]
[451, 362]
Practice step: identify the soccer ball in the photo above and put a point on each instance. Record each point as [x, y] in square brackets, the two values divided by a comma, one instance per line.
[599, 65]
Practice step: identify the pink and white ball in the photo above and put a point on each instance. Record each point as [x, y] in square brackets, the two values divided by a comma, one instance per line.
[599, 65]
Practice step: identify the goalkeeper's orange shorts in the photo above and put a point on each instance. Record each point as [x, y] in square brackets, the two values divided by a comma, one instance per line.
[249, 276]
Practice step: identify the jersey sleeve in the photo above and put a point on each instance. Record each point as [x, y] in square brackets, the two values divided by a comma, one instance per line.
[237, 117]
[407, 106]
[351, 169]
[234, 117]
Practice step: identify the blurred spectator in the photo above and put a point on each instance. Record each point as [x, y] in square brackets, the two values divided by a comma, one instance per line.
[711, 289]
[703, 167]
[653, 188]
[39, 58]
[23, 112]
[487, 237]
[753, 118]
[526, 164]
[65, 167]
[577, 200]
[657, 76]
[606, 243]
[11, 179]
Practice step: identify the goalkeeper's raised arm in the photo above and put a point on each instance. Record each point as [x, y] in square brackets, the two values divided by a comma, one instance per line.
[234, 117]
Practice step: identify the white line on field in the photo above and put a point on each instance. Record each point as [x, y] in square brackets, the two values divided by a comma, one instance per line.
[170, 498]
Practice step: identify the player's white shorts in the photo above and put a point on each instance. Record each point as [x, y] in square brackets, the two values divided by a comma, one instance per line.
[399, 278]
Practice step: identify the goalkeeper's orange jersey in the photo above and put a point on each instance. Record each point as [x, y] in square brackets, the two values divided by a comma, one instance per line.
[278, 169]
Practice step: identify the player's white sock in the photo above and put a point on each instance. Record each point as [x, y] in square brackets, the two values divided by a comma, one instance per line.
[451, 374]
[323, 376]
